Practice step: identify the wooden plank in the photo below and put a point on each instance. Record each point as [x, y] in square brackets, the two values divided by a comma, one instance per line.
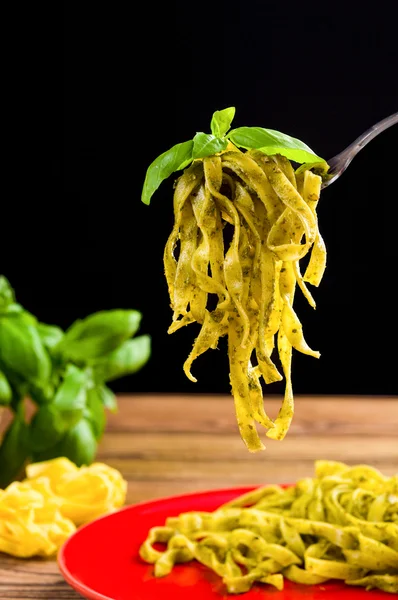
[33, 579]
[215, 448]
[227, 471]
[332, 415]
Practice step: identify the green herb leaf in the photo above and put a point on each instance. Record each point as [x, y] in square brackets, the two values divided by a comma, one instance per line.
[98, 334]
[16, 310]
[46, 429]
[5, 390]
[125, 360]
[78, 444]
[41, 394]
[95, 412]
[108, 398]
[7, 295]
[50, 335]
[221, 121]
[22, 351]
[175, 159]
[18, 394]
[273, 142]
[71, 397]
[205, 144]
[14, 450]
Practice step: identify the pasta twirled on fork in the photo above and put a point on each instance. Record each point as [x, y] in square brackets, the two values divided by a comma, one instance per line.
[243, 221]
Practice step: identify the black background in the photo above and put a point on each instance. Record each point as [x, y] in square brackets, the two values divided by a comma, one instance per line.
[139, 79]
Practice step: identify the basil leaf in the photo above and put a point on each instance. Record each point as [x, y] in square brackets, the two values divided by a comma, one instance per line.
[125, 360]
[7, 295]
[50, 335]
[273, 142]
[16, 310]
[221, 121]
[19, 392]
[46, 429]
[41, 394]
[22, 351]
[5, 390]
[78, 444]
[175, 159]
[205, 144]
[71, 397]
[14, 450]
[108, 398]
[98, 334]
[11, 309]
[95, 412]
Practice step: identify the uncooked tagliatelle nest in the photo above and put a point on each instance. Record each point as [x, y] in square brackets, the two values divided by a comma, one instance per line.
[243, 221]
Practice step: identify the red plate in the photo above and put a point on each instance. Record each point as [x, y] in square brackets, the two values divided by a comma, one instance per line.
[101, 560]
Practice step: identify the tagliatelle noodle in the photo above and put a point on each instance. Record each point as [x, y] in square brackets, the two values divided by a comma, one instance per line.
[242, 223]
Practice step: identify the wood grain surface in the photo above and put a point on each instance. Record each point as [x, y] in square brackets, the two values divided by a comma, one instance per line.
[166, 445]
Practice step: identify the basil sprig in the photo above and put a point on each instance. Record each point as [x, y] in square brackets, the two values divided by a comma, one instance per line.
[268, 141]
[65, 375]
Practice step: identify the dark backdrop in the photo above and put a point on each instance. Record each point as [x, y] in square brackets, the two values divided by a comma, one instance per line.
[138, 80]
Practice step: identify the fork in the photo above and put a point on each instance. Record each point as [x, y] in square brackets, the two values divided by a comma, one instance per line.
[339, 163]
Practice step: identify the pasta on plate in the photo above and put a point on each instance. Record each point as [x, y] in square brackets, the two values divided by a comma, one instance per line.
[341, 524]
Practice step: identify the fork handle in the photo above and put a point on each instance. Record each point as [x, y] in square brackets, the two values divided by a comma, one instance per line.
[339, 163]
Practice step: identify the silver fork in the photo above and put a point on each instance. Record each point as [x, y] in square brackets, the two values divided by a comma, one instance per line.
[339, 163]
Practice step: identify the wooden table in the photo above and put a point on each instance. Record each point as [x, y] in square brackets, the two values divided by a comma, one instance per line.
[174, 444]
